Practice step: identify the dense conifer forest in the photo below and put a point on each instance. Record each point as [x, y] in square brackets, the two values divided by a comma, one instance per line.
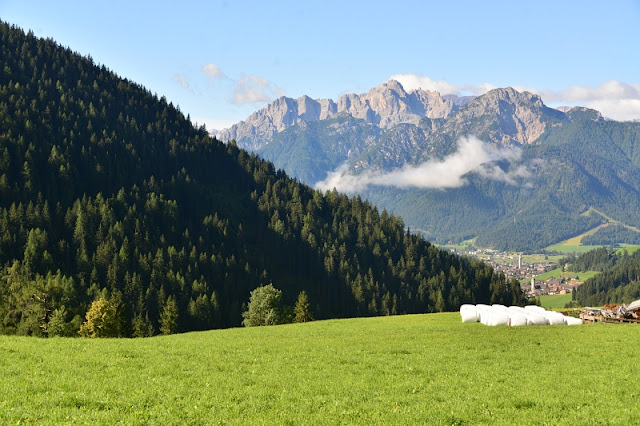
[611, 235]
[109, 194]
[619, 283]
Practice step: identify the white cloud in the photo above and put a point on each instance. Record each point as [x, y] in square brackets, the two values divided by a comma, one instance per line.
[212, 71]
[608, 90]
[472, 156]
[480, 89]
[251, 89]
[614, 99]
[181, 80]
[618, 109]
[412, 82]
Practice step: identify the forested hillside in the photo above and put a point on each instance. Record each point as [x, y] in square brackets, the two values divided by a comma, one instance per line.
[108, 192]
[618, 284]
[612, 234]
[599, 259]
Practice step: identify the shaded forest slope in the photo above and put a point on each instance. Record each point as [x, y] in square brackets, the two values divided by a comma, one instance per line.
[108, 191]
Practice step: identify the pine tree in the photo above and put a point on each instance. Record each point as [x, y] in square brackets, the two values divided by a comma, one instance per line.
[169, 317]
[302, 310]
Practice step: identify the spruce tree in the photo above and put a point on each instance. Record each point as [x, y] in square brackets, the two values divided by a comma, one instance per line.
[302, 310]
[169, 317]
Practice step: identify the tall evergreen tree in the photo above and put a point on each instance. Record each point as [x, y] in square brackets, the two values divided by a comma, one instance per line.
[302, 309]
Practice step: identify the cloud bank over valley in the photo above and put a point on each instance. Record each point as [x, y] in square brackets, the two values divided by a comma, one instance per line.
[472, 156]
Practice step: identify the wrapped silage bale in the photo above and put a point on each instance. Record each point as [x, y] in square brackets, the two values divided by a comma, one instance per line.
[500, 309]
[534, 308]
[517, 309]
[572, 321]
[469, 313]
[483, 315]
[554, 318]
[534, 318]
[496, 318]
[517, 320]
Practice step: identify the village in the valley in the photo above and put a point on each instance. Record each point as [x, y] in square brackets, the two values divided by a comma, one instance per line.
[516, 266]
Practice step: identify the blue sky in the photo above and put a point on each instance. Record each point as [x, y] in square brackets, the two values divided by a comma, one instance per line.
[222, 60]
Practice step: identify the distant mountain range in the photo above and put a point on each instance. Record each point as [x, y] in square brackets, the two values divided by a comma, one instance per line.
[502, 167]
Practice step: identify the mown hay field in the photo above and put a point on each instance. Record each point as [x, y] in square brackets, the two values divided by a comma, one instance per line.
[426, 369]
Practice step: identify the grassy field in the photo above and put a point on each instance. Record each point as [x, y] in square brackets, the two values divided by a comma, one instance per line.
[566, 247]
[556, 301]
[540, 258]
[557, 273]
[574, 245]
[554, 273]
[630, 248]
[419, 369]
[461, 246]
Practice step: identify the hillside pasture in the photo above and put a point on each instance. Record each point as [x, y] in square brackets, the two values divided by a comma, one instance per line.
[573, 245]
[418, 369]
[630, 248]
[566, 247]
[555, 301]
[557, 273]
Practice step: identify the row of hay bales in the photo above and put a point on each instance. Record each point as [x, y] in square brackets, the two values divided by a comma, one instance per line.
[514, 316]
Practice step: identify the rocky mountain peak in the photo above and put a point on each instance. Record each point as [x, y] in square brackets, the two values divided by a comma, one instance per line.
[504, 117]
[385, 106]
[392, 85]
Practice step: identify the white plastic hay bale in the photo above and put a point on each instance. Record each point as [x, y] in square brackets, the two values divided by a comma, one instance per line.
[487, 318]
[517, 309]
[554, 318]
[572, 321]
[534, 318]
[467, 307]
[500, 309]
[534, 308]
[634, 305]
[485, 313]
[469, 317]
[496, 319]
[469, 313]
[517, 320]
[483, 316]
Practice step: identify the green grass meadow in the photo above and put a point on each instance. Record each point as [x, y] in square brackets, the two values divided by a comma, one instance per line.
[556, 301]
[557, 273]
[417, 369]
[568, 248]
[630, 248]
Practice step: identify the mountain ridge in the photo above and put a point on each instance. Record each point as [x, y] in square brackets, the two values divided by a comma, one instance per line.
[385, 106]
[532, 151]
